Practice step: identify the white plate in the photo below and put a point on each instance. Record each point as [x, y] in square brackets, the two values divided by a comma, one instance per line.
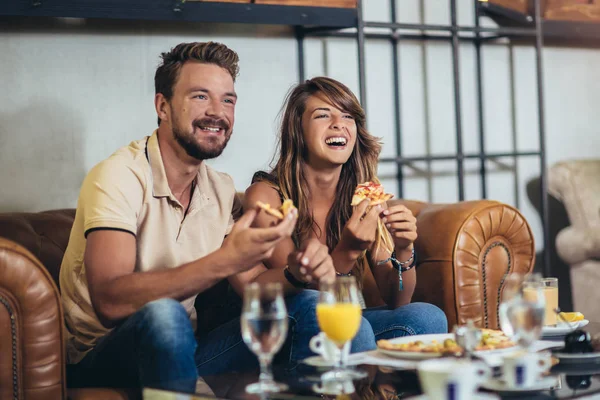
[497, 385]
[440, 337]
[562, 328]
[317, 361]
[476, 396]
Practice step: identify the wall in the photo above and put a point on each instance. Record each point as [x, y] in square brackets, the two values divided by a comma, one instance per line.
[77, 90]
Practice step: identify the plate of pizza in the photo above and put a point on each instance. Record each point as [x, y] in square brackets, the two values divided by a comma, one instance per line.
[372, 191]
[422, 347]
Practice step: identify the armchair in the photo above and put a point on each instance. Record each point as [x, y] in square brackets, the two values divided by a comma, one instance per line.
[576, 184]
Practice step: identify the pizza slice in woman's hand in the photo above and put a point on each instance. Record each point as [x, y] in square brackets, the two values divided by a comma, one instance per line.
[372, 191]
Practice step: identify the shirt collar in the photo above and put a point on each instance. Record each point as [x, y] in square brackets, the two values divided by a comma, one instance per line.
[160, 186]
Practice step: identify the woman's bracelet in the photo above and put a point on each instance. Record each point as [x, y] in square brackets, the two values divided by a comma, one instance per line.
[400, 265]
[295, 282]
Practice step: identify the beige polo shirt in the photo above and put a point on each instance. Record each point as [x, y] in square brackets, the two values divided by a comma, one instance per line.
[129, 191]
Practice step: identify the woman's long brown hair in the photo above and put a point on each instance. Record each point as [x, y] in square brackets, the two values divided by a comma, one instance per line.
[288, 174]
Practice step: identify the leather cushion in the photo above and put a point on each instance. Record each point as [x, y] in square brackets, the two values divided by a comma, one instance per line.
[44, 234]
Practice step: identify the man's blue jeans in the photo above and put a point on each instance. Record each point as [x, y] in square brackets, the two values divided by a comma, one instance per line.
[156, 347]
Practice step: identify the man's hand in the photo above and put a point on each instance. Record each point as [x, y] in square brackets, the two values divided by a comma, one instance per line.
[361, 229]
[312, 263]
[401, 224]
[246, 246]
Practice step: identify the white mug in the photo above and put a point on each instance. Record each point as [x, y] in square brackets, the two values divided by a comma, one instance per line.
[452, 379]
[327, 349]
[523, 369]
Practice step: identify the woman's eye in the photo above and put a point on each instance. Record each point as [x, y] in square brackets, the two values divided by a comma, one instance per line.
[322, 116]
[348, 116]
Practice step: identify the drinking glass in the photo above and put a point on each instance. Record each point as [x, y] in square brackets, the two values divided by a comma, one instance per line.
[511, 293]
[264, 329]
[526, 313]
[339, 314]
[550, 287]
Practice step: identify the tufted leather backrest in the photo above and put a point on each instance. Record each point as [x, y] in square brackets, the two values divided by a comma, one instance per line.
[44, 234]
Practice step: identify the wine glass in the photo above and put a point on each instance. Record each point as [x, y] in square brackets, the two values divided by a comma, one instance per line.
[264, 329]
[511, 293]
[525, 313]
[339, 315]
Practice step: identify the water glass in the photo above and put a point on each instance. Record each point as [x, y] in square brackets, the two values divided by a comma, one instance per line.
[525, 314]
[264, 329]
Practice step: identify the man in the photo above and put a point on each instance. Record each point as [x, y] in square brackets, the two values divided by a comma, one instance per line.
[154, 228]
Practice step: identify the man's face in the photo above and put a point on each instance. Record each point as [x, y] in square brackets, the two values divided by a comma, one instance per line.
[202, 109]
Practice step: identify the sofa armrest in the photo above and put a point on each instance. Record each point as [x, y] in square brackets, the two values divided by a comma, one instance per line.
[31, 328]
[578, 244]
[464, 252]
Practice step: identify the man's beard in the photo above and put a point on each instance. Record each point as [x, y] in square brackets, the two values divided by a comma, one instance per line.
[211, 147]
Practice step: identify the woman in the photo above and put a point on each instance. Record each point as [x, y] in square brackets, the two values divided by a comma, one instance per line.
[324, 152]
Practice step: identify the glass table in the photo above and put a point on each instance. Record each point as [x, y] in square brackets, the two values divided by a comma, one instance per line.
[576, 380]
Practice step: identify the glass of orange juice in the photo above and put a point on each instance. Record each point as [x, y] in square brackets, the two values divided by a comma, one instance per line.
[550, 286]
[339, 314]
[549, 290]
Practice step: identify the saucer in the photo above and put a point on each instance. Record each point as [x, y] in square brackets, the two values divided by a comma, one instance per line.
[317, 361]
[476, 396]
[543, 383]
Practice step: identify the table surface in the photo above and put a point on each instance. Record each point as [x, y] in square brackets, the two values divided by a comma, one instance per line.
[574, 381]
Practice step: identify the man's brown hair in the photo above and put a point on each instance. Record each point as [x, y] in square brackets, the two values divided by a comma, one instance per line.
[207, 53]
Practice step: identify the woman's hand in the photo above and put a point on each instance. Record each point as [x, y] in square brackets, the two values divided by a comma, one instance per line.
[312, 263]
[360, 230]
[402, 225]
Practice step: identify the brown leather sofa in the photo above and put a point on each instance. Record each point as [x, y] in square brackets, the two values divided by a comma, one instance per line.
[465, 249]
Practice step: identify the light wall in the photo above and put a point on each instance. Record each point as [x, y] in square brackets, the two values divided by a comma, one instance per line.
[74, 91]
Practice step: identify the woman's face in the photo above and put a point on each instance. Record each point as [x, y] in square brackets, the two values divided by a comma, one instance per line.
[329, 133]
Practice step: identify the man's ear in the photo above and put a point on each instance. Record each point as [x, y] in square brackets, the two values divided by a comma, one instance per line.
[162, 107]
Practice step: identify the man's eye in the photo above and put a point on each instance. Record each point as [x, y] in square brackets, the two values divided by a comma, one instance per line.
[200, 96]
[230, 101]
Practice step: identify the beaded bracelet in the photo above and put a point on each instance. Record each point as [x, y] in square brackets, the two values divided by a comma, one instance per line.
[400, 265]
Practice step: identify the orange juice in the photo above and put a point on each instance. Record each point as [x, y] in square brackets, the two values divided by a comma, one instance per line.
[551, 297]
[340, 321]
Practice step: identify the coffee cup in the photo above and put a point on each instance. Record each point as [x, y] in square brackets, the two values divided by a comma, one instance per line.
[327, 349]
[452, 379]
[523, 369]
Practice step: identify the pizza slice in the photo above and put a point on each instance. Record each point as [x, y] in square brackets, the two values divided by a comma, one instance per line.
[287, 206]
[372, 191]
[280, 213]
[270, 210]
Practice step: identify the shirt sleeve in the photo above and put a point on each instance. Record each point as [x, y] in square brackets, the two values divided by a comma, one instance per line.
[229, 225]
[111, 197]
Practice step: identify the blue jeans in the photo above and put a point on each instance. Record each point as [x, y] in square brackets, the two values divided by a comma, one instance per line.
[408, 320]
[156, 347]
